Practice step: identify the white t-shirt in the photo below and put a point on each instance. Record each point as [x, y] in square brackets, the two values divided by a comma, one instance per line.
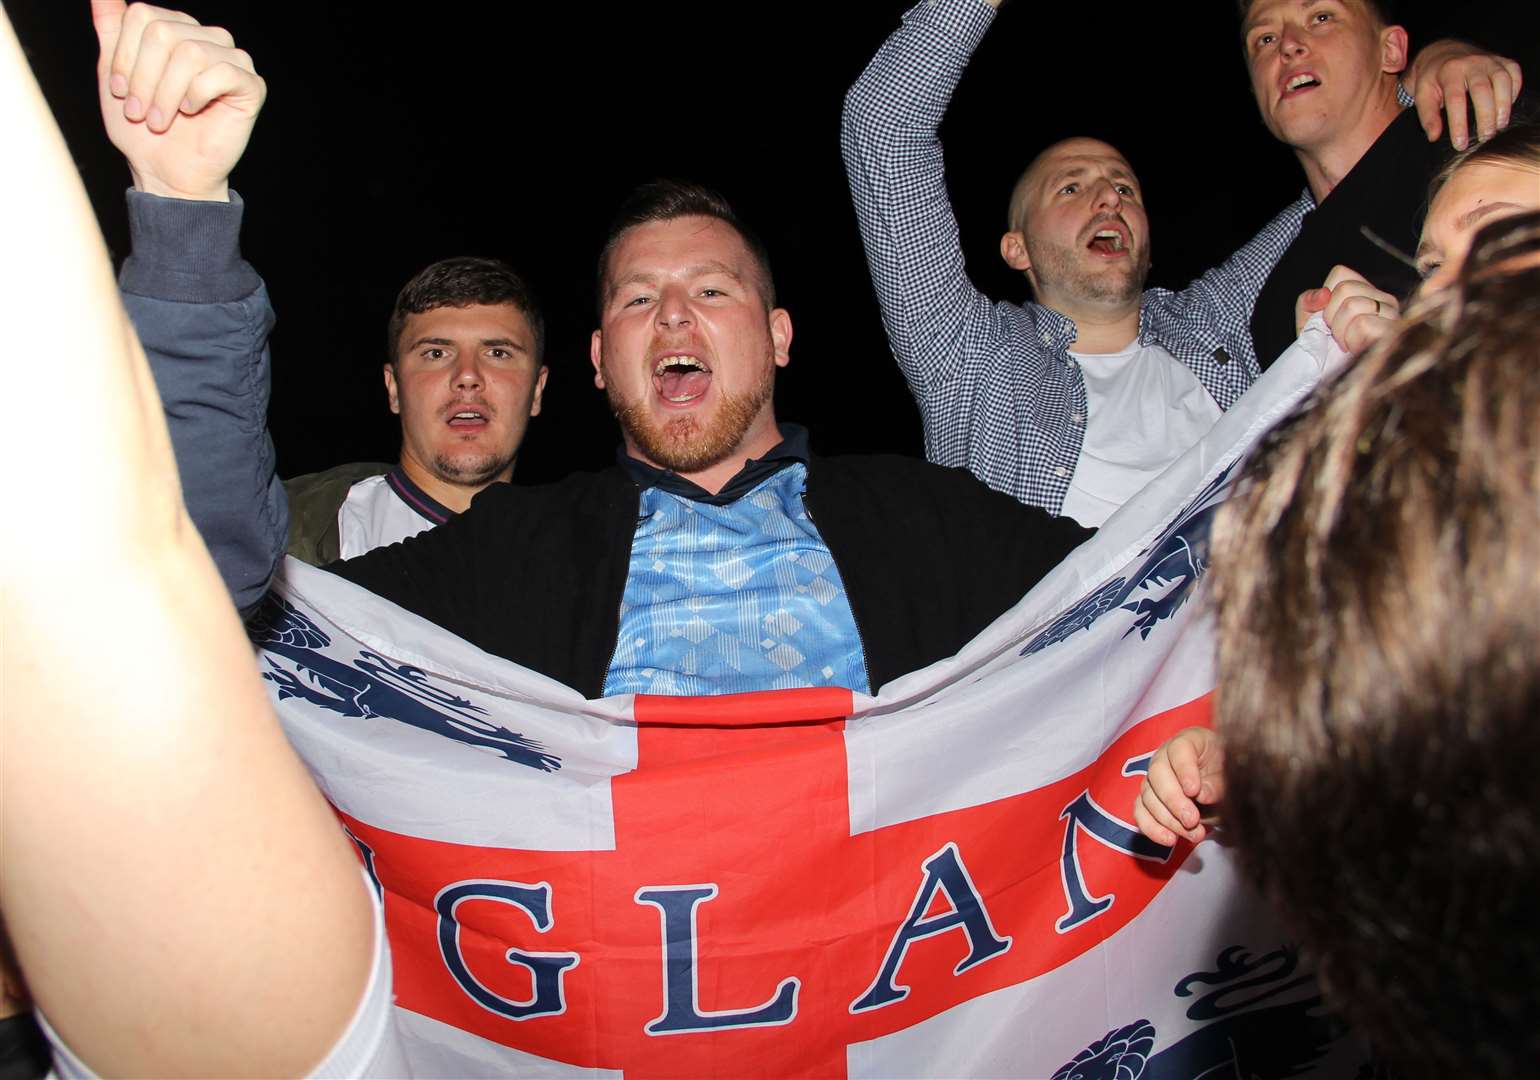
[1145, 410]
[381, 510]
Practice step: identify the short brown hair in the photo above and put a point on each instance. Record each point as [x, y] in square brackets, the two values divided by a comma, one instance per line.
[460, 282]
[1377, 579]
[669, 200]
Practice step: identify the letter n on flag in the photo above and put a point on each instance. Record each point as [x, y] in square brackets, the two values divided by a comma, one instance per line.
[942, 880]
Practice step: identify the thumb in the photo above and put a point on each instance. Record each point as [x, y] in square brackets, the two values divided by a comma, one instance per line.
[1310, 301]
[107, 16]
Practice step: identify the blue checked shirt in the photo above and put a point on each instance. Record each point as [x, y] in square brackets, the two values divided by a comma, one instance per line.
[996, 387]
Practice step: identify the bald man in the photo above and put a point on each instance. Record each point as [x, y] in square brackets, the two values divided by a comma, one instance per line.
[1075, 401]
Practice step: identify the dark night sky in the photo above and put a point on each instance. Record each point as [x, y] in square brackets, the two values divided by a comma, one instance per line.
[515, 129]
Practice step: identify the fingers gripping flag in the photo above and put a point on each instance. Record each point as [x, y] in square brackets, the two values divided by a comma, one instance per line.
[943, 880]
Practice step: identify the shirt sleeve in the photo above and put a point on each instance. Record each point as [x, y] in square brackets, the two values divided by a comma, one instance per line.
[992, 380]
[894, 164]
[204, 317]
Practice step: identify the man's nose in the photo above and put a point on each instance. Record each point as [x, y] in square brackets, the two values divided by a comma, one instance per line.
[468, 375]
[674, 309]
[1292, 42]
[1107, 194]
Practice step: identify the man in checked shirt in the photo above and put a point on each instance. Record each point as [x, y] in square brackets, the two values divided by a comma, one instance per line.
[1075, 401]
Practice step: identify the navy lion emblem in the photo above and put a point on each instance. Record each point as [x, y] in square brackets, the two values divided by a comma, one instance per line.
[1175, 563]
[374, 687]
[1262, 1019]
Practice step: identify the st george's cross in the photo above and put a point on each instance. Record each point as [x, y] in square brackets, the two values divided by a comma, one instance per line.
[736, 926]
[942, 879]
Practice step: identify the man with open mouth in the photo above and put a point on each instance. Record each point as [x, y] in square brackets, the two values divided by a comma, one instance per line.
[1074, 401]
[465, 342]
[1332, 79]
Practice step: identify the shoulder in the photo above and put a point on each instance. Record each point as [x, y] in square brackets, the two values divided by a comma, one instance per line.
[571, 502]
[314, 500]
[910, 480]
[926, 514]
[338, 479]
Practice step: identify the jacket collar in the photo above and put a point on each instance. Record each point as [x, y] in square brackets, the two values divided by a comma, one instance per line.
[792, 447]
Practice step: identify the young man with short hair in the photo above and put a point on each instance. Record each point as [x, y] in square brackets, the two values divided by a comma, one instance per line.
[465, 343]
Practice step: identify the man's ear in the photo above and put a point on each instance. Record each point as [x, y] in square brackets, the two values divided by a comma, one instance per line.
[1013, 249]
[1394, 50]
[390, 389]
[596, 356]
[780, 336]
[534, 404]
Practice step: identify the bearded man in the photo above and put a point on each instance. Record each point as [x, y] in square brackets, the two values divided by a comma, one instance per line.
[1074, 401]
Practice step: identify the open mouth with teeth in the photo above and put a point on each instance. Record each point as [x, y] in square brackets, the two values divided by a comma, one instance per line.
[1107, 242]
[680, 380]
[467, 418]
[1302, 81]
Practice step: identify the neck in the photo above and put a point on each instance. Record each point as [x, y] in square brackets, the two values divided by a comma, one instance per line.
[1326, 165]
[756, 442]
[1100, 329]
[452, 496]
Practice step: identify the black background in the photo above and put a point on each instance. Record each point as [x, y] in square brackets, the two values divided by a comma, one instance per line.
[394, 136]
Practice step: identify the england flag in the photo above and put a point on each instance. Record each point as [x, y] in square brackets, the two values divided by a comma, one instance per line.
[941, 880]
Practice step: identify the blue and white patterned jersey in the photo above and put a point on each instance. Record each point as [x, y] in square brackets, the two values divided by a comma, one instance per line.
[996, 388]
[724, 599]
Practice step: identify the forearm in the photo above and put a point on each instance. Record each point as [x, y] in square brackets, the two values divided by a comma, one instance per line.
[895, 167]
[204, 317]
[174, 886]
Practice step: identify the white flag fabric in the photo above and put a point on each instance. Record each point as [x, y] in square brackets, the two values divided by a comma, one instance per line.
[942, 880]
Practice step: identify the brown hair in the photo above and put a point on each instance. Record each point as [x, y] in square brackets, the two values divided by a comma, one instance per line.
[462, 281]
[668, 200]
[1517, 144]
[1377, 579]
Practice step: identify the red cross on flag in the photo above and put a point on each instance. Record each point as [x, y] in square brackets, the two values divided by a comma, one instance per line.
[942, 880]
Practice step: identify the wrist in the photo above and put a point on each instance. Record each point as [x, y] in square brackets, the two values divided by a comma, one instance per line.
[154, 185]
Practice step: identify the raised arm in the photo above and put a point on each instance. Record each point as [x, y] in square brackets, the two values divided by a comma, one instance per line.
[893, 160]
[180, 898]
[179, 101]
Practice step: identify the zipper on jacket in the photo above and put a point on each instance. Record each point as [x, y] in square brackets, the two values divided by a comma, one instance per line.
[604, 676]
[866, 666]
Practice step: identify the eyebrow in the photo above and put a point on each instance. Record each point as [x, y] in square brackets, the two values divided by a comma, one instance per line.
[507, 342]
[1469, 219]
[647, 277]
[1256, 20]
[1071, 171]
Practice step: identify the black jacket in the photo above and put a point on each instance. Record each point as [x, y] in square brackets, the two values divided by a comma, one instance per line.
[929, 557]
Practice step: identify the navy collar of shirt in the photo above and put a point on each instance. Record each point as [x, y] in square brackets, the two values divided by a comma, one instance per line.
[792, 447]
[419, 500]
